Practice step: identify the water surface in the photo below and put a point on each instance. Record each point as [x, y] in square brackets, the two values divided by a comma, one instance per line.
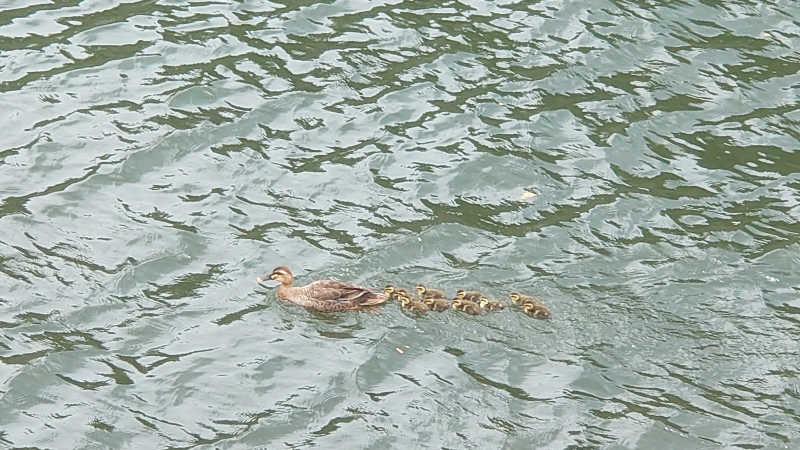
[159, 155]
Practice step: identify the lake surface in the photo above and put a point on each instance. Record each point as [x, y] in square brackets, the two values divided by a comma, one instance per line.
[633, 163]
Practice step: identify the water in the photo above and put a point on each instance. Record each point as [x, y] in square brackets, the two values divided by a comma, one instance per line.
[159, 155]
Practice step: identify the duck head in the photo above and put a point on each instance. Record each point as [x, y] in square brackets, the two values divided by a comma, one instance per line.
[281, 274]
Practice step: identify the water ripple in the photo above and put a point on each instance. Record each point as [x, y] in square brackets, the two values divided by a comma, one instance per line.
[631, 163]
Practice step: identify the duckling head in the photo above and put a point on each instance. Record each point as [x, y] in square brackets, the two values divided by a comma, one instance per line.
[527, 307]
[456, 303]
[514, 296]
[420, 290]
[484, 301]
[389, 289]
[460, 294]
[404, 301]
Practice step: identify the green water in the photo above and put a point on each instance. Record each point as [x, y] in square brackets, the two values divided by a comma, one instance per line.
[159, 155]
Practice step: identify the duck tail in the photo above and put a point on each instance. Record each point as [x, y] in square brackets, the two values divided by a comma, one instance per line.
[372, 298]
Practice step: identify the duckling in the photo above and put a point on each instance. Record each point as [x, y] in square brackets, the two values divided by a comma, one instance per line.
[469, 295]
[425, 292]
[522, 300]
[491, 305]
[414, 306]
[467, 306]
[536, 310]
[390, 291]
[437, 304]
[395, 293]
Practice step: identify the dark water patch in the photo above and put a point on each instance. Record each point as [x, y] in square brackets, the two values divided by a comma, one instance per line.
[514, 392]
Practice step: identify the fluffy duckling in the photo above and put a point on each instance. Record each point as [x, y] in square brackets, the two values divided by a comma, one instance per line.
[425, 292]
[395, 293]
[389, 290]
[537, 310]
[531, 305]
[467, 306]
[473, 296]
[522, 300]
[491, 305]
[414, 306]
[437, 304]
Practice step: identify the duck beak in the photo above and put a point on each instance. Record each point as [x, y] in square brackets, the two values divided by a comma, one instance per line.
[265, 278]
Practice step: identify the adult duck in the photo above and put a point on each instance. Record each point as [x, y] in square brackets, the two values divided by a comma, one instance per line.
[324, 295]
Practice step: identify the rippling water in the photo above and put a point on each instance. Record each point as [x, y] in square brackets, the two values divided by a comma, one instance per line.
[159, 155]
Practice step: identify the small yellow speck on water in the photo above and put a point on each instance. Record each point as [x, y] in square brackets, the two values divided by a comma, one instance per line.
[399, 350]
[527, 195]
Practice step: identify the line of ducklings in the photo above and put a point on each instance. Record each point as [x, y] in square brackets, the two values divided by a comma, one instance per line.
[470, 302]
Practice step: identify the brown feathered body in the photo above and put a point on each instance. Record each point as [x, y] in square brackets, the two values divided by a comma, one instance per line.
[426, 292]
[473, 296]
[491, 305]
[467, 306]
[414, 306]
[537, 310]
[325, 295]
[531, 305]
[437, 304]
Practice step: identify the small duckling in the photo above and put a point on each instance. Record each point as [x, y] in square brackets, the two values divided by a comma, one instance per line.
[414, 306]
[467, 306]
[537, 310]
[437, 304]
[425, 292]
[395, 293]
[522, 300]
[491, 305]
[469, 295]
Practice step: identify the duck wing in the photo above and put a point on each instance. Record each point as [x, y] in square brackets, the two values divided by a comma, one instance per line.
[334, 306]
[337, 291]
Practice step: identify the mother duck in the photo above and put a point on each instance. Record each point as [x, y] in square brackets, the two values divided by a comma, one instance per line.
[324, 295]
